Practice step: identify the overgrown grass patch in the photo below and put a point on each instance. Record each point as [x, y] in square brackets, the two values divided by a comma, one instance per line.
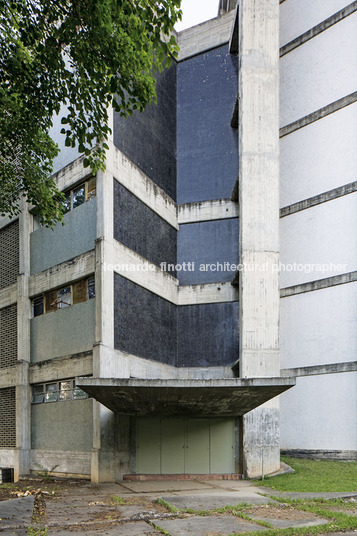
[315, 476]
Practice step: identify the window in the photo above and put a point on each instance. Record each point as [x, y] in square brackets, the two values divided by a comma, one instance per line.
[37, 305]
[53, 300]
[80, 194]
[57, 392]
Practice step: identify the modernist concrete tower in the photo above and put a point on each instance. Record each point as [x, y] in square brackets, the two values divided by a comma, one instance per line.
[143, 336]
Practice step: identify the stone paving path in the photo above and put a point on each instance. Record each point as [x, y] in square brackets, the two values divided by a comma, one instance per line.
[131, 509]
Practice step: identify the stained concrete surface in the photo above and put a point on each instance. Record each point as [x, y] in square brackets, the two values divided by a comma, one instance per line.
[16, 512]
[127, 529]
[208, 526]
[89, 510]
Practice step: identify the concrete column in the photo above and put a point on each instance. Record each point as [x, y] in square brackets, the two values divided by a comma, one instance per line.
[259, 222]
[103, 453]
[23, 390]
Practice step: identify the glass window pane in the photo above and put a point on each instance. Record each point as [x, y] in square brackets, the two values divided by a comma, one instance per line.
[78, 394]
[78, 196]
[67, 202]
[51, 392]
[38, 306]
[64, 297]
[37, 394]
[91, 288]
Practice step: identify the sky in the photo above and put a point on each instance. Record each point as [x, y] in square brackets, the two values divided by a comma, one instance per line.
[196, 11]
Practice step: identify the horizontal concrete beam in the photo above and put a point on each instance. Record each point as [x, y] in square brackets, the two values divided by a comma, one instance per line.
[119, 364]
[125, 262]
[314, 370]
[208, 398]
[62, 367]
[71, 174]
[210, 293]
[319, 284]
[8, 296]
[316, 200]
[205, 36]
[218, 209]
[6, 220]
[63, 273]
[139, 184]
[319, 114]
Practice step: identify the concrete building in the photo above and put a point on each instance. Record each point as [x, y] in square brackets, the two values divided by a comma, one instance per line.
[143, 336]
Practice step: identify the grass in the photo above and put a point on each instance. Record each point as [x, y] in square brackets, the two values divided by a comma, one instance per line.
[118, 500]
[37, 531]
[171, 508]
[315, 476]
[339, 521]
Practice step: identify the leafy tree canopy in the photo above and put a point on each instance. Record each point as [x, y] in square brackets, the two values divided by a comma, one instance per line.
[77, 55]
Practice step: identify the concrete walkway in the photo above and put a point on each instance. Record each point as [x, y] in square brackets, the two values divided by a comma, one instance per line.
[131, 509]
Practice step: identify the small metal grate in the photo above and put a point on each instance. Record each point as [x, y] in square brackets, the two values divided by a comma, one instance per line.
[8, 417]
[9, 254]
[8, 336]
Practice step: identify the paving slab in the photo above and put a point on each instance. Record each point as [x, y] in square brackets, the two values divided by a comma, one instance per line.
[286, 523]
[16, 512]
[212, 500]
[126, 529]
[308, 495]
[207, 526]
[165, 485]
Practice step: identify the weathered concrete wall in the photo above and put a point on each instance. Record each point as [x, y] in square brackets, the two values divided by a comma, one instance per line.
[325, 407]
[259, 222]
[319, 157]
[208, 335]
[319, 327]
[141, 229]
[213, 243]
[144, 323]
[65, 425]
[207, 161]
[332, 242]
[149, 138]
[50, 247]
[63, 332]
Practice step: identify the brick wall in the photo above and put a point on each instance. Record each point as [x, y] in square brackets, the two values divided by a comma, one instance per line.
[7, 417]
[9, 254]
[8, 336]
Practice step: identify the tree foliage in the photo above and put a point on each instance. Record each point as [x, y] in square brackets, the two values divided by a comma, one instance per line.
[75, 55]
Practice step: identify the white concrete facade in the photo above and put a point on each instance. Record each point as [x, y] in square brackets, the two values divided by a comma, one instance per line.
[319, 327]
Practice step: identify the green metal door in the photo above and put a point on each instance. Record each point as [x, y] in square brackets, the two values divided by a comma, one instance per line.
[148, 446]
[222, 446]
[181, 445]
[172, 446]
[197, 457]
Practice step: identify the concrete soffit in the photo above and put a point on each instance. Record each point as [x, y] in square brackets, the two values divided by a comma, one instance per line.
[207, 398]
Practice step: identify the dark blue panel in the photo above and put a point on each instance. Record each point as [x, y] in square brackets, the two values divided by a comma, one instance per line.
[212, 242]
[145, 325]
[149, 139]
[208, 335]
[207, 146]
[141, 229]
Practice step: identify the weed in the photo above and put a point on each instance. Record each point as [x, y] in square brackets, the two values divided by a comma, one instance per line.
[171, 508]
[118, 500]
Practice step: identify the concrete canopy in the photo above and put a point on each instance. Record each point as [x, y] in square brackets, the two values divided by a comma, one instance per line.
[206, 398]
